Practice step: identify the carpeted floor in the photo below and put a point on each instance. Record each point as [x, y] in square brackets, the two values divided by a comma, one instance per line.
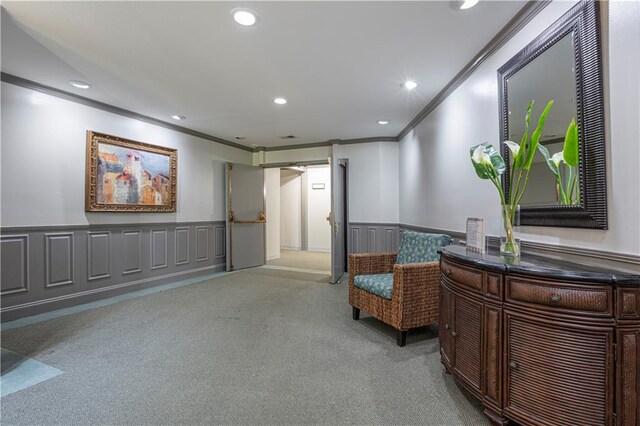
[260, 346]
[303, 259]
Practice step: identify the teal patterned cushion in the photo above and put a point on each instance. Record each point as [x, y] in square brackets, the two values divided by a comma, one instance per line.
[418, 247]
[380, 284]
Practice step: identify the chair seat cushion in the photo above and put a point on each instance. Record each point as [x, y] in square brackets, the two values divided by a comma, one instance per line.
[379, 284]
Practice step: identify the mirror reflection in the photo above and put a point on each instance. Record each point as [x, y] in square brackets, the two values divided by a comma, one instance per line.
[554, 177]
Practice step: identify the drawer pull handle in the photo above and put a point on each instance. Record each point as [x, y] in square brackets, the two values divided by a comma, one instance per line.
[454, 334]
[513, 365]
[449, 273]
[555, 299]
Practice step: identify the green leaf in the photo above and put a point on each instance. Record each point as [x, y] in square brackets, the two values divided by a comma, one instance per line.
[488, 171]
[535, 137]
[547, 158]
[525, 137]
[496, 159]
[570, 153]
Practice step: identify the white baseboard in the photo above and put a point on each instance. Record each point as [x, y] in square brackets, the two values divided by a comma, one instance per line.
[320, 249]
[273, 257]
[298, 248]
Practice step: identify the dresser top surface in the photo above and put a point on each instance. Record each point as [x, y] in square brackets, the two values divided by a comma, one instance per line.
[549, 266]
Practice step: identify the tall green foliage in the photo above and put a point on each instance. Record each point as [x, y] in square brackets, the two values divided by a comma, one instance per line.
[490, 165]
[566, 174]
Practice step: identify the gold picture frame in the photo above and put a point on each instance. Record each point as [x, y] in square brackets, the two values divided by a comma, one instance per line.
[123, 175]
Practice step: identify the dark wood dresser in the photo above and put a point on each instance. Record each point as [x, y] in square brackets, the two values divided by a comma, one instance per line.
[543, 340]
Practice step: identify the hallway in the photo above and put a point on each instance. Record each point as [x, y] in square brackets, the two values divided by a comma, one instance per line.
[318, 261]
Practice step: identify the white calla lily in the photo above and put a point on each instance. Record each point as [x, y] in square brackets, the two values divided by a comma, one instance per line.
[476, 154]
[513, 147]
[557, 158]
[481, 157]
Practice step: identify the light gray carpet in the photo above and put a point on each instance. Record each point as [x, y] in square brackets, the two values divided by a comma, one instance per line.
[303, 259]
[259, 346]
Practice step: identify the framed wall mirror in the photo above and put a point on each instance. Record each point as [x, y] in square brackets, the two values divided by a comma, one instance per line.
[563, 64]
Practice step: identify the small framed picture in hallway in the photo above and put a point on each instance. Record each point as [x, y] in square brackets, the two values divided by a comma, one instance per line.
[129, 176]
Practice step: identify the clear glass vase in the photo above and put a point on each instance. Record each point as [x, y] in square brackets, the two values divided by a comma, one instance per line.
[509, 241]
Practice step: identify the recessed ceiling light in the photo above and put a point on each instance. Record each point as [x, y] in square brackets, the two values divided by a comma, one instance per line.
[178, 117]
[383, 122]
[79, 84]
[466, 4]
[244, 17]
[409, 84]
[280, 101]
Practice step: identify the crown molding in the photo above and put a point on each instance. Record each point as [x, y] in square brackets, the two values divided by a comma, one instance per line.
[522, 18]
[368, 140]
[28, 84]
[296, 146]
[295, 164]
[327, 143]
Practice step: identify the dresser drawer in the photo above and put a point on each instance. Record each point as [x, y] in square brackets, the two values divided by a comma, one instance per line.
[628, 303]
[464, 276]
[558, 296]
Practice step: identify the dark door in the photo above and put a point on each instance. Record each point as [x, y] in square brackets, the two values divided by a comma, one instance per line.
[338, 219]
[444, 324]
[557, 373]
[245, 216]
[467, 340]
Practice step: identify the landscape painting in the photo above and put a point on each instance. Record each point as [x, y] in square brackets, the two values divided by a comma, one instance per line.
[129, 176]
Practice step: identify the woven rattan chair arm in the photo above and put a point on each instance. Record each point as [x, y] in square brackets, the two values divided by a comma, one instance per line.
[371, 263]
[415, 277]
[416, 287]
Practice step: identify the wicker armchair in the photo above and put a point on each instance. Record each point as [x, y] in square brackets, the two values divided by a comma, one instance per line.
[400, 290]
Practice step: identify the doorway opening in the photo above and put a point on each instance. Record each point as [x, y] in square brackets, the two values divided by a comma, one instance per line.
[298, 208]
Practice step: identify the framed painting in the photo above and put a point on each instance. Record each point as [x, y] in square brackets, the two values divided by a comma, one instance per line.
[128, 176]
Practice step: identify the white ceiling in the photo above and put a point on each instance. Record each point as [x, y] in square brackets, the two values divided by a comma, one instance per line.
[339, 64]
